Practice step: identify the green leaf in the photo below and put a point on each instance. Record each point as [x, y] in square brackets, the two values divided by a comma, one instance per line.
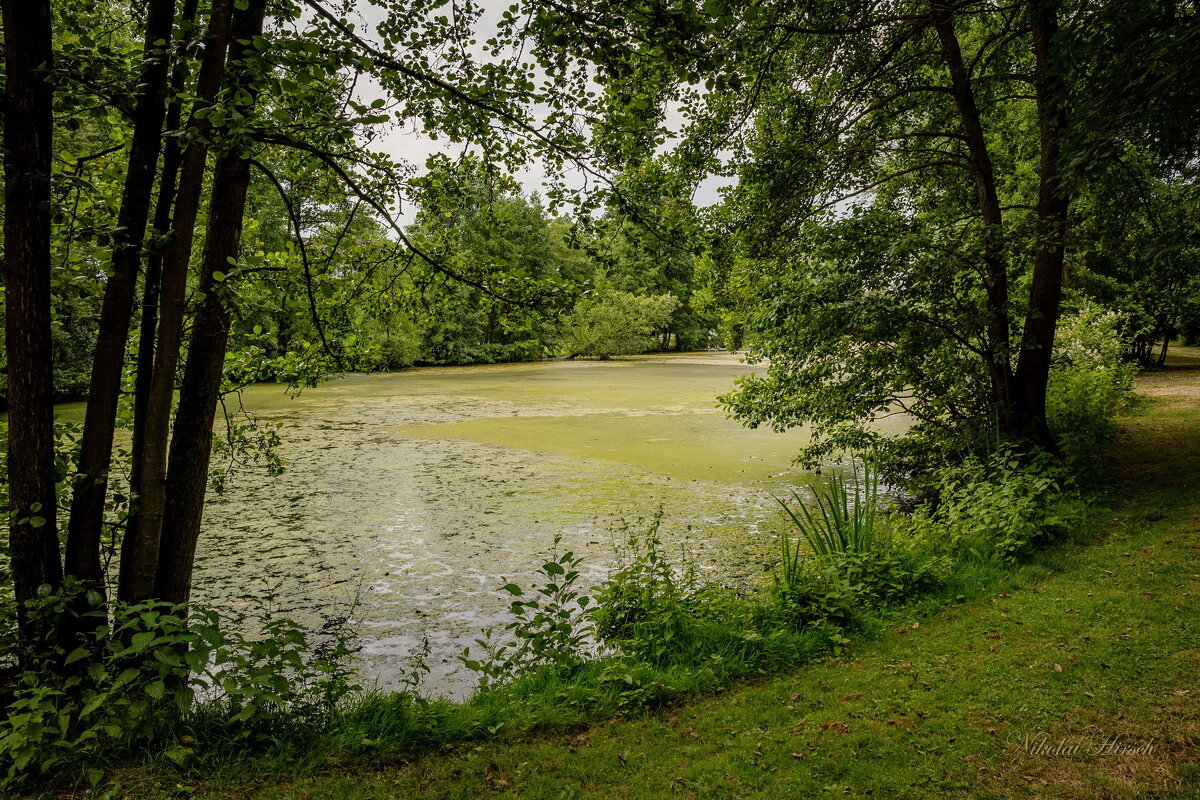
[125, 677]
[179, 754]
[140, 641]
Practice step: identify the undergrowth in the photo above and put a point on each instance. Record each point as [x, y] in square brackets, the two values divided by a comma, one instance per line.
[197, 696]
[200, 698]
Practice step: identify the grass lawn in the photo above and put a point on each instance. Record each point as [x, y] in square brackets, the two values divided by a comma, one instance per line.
[1077, 680]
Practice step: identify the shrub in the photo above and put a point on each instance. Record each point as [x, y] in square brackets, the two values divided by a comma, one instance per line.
[551, 629]
[70, 709]
[887, 574]
[614, 323]
[1005, 505]
[844, 521]
[850, 565]
[811, 597]
[1090, 381]
[150, 673]
[650, 607]
[398, 344]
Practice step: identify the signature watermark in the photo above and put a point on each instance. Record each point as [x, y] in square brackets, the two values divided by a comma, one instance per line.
[1093, 745]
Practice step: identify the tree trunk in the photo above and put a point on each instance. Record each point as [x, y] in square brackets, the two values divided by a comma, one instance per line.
[995, 265]
[1041, 320]
[108, 361]
[151, 293]
[28, 127]
[141, 546]
[191, 444]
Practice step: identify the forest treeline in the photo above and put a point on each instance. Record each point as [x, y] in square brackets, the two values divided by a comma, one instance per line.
[976, 214]
[197, 199]
[332, 292]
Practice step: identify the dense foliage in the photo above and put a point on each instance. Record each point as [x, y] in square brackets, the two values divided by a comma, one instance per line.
[653, 632]
[512, 282]
[971, 214]
[920, 189]
[240, 125]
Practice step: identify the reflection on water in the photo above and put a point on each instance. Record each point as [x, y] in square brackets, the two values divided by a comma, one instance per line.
[419, 493]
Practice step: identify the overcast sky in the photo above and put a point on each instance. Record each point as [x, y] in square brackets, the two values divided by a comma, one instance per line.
[407, 143]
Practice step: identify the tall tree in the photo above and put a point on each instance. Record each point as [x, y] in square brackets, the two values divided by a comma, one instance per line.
[180, 100]
[901, 219]
[108, 364]
[1050, 227]
[28, 128]
[141, 546]
[136, 584]
[191, 444]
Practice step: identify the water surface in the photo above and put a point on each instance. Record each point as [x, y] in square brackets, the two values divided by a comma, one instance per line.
[417, 494]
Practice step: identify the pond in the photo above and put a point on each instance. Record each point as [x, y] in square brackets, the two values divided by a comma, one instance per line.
[411, 497]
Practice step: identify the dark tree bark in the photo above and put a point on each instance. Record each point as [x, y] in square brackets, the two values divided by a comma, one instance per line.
[147, 332]
[141, 546]
[28, 126]
[996, 269]
[191, 443]
[1041, 320]
[95, 455]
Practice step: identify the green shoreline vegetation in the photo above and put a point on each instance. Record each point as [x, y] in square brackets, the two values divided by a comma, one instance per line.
[1091, 644]
[1067, 673]
[847, 574]
[952, 237]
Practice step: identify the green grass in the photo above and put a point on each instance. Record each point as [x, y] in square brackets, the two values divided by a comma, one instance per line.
[1093, 639]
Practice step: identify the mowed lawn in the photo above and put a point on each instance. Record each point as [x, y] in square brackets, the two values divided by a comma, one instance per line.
[1077, 680]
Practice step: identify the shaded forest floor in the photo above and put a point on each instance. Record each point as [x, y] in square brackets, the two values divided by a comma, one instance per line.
[1078, 680]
